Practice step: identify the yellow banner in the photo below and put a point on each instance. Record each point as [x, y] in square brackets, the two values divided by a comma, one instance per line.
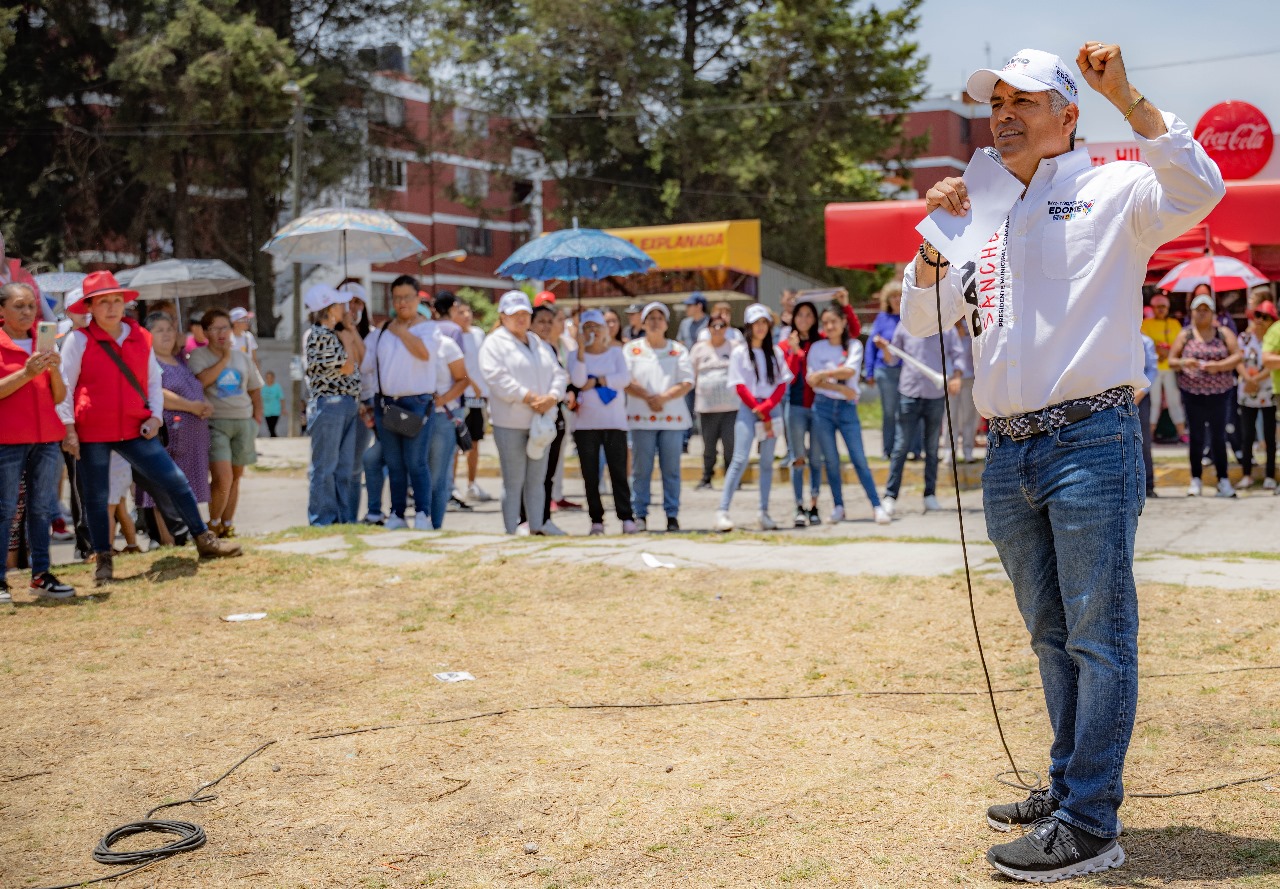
[700, 245]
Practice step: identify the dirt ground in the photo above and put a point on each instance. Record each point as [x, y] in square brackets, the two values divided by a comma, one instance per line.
[875, 773]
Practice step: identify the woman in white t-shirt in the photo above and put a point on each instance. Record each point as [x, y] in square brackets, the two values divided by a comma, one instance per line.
[833, 367]
[599, 370]
[657, 412]
[758, 371]
[714, 399]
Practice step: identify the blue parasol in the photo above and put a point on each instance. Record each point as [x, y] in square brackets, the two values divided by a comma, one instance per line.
[573, 253]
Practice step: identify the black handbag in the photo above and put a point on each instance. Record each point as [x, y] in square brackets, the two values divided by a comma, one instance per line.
[115, 356]
[395, 418]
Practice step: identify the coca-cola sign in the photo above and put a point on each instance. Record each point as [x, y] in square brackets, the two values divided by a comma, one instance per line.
[1238, 137]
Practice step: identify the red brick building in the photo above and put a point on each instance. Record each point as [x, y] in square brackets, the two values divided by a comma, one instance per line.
[954, 128]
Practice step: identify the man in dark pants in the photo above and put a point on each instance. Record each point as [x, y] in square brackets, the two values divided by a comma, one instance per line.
[1054, 296]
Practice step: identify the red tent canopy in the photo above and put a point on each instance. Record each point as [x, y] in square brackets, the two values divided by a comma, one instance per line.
[864, 235]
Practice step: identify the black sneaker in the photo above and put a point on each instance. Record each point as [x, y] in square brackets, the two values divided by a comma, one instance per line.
[456, 505]
[672, 524]
[50, 587]
[1040, 804]
[1055, 850]
[801, 519]
[814, 518]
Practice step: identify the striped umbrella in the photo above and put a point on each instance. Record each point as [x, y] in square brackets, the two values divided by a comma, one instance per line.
[1219, 272]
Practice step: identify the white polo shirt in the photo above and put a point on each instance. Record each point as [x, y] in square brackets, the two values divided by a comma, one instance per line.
[388, 362]
[1056, 295]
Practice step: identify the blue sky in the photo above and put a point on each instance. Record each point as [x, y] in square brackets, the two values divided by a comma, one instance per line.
[1150, 33]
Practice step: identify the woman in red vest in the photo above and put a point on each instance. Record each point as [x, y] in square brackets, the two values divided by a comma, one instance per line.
[30, 388]
[117, 404]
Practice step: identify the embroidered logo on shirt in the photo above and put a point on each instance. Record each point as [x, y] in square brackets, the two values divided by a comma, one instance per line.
[1060, 211]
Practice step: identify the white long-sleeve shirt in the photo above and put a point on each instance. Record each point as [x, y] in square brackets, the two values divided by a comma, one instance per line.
[1055, 297]
[514, 369]
[72, 357]
[593, 413]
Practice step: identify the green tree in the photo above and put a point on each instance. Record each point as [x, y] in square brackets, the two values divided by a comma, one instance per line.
[674, 110]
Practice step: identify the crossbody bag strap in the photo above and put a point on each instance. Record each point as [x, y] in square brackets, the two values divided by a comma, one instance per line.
[377, 362]
[113, 353]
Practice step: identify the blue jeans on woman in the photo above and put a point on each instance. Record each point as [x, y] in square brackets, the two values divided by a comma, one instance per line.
[744, 438]
[363, 435]
[801, 445]
[440, 463]
[1062, 511]
[153, 465]
[331, 424]
[832, 415]
[375, 476]
[42, 464]
[406, 456]
[667, 445]
[887, 383]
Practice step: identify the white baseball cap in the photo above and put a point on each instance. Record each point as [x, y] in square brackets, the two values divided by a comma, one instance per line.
[1030, 70]
[239, 314]
[655, 307]
[755, 312]
[1205, 299]
[514, 301]
[321, 296]
[355, 289]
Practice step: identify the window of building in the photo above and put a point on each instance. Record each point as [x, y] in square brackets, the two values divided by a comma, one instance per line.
[471, 183]
[476, 241]
[385, 172]
[468, 122]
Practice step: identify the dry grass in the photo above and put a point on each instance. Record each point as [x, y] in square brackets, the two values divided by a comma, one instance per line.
[116, 705]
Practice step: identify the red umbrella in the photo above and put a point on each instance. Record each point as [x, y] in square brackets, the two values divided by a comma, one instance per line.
[1219, 272]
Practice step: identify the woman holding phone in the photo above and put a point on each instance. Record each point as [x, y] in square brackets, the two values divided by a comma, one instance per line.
[599, 370]
[30, 387]
[117, 405]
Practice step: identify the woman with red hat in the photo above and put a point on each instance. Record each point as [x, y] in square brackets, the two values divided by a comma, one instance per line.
[30, 388]
[117, 404]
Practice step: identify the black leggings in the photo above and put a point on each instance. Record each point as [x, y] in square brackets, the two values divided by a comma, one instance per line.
[1249, 420]
[614, 442]
[271, 425]
[1211, 410]
[716, 427]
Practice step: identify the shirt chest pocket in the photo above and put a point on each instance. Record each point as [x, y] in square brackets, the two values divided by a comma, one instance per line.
[1067, 248]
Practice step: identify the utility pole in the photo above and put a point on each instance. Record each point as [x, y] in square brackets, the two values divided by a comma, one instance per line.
[295, 427]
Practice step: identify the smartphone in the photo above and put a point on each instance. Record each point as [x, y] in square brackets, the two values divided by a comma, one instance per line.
[46, 336]
[591, 337]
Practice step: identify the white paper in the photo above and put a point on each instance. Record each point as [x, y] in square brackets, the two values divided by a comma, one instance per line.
[235, 618]
[917, 364]
[993, 191]
[458, 676]
[652, 561]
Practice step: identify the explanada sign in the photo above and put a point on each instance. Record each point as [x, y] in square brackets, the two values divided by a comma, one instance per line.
[1238, 137]
[679, 241]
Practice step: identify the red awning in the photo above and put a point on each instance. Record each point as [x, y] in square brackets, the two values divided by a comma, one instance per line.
[864, 235]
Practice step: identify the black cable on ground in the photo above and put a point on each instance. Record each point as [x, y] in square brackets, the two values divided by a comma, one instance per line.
[190, 836]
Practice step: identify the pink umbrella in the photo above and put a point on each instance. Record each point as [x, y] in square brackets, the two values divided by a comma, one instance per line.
[1219, 272]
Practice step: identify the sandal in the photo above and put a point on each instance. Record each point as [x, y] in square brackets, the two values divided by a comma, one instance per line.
[228, 530]
[130, 549]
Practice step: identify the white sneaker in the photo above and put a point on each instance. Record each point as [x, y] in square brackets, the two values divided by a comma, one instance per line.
[475, 492]
[1269, 484]
[931, 504]
[723, 522]
[641, 526]
[766, 523]
[882, 516]
[551, 529]
[628, 527]
[457, 494]
[1225, 489]
[374, 518]
[422, 522]
[889, 505]
[522, 529]
[597, 530]
[837, 515]
[1245, 482]
[1194, 489]
[395, 522]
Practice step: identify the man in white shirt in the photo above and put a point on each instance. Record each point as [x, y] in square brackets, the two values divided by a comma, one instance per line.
[242, 338]
[1054, 300]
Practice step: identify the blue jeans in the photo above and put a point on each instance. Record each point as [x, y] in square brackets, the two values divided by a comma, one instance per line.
[1062, 511]
[887, 383]
[910, 413]
[744, 438]
[406, 457]
[42, 464]
[149, 460]
[831, 415]
[331, 424]
[666, 444]
[375, 476]
[440, 464]
[363, 435]
[802, 445]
